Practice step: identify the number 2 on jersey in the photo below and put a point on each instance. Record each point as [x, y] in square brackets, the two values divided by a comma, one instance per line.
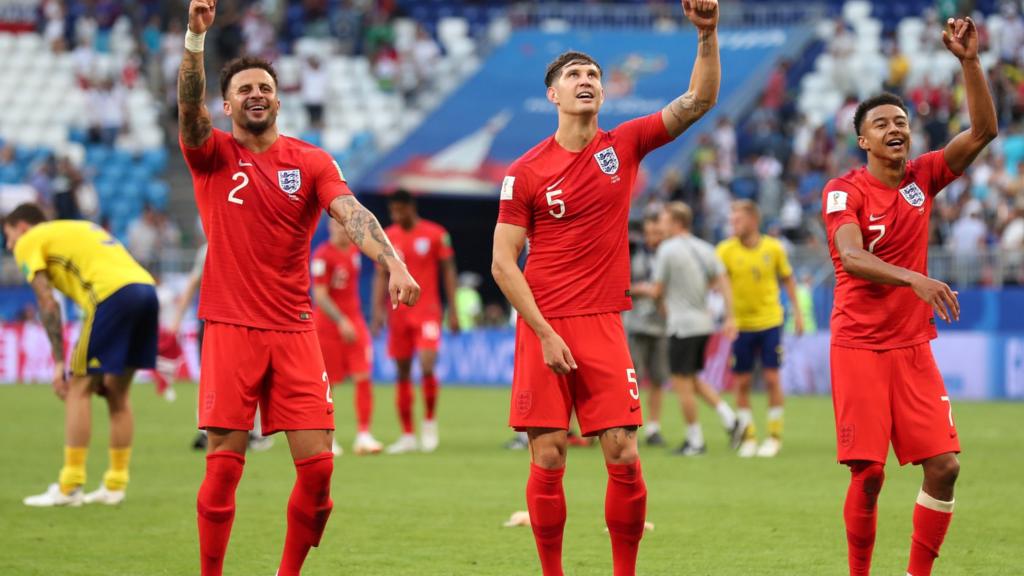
[245, 182]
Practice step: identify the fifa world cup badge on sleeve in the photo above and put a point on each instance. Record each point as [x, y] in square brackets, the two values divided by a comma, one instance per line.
[506, 187]
[836, 202]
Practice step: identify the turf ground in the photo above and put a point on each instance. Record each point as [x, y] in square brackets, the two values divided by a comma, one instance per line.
[441, 514]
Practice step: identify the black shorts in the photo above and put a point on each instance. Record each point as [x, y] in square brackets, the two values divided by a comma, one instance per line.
[686, 355]
[120, 334]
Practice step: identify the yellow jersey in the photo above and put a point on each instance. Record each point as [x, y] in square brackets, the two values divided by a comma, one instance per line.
[82, 260]
[754, 274]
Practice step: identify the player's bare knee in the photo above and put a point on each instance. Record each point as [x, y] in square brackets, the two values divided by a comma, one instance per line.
[620, 445]
[943, 469]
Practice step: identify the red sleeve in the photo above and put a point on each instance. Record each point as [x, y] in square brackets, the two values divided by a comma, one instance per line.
[841, 203]
[935, 170]
[645, 133]
[444, 244]
[330, 180]
[203, 158]
[516, 199]
[318, 267]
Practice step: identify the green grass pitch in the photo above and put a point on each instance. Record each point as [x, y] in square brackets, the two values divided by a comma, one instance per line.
[441, 514]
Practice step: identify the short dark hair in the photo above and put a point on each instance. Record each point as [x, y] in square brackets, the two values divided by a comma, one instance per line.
[401, 196]
[883, 99]
[565, 59]
[241, 64]
[29, 212]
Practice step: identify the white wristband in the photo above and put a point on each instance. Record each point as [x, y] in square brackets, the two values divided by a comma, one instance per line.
[194, 42]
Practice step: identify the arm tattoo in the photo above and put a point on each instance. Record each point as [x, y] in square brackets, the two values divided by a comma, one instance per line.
[704, 44]
[193, 118]
[49, 315]
[687, 109]
[362, 226]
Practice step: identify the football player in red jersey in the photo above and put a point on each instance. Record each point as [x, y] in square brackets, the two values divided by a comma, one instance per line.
[425, 247]
[885, 384]
[260, 196]
[570, 197]
[344, 337]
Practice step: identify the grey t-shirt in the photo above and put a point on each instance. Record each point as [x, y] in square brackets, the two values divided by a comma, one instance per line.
[645, 317]
[685, 265]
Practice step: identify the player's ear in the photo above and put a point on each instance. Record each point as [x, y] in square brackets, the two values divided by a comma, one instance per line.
[227, 108]
[553, 94]
[862, 143]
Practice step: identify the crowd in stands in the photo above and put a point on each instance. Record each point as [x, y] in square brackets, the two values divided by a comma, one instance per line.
[782, 158]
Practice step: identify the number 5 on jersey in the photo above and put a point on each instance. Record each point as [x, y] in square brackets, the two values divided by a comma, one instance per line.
[244, 182]
[553, 200]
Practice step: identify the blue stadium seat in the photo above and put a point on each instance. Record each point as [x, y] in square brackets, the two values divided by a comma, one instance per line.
[157, 193]
[314, 137]
[155, 160]
[96, 155]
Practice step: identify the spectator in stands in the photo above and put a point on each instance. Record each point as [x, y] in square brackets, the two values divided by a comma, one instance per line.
[65, 184]
[149, 235]
[724, 138]
[468, 305]
[258, 33]
[967, 240]
[425, 56]
[314, 90]
[1011, 242]
[42, 179]
[107, 103]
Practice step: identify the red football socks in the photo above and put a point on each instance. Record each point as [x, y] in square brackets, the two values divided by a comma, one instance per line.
[364, 403]
[308, 509]
[216, 507]
[430, 388]
[931, 521]
[861, 514]
[545, 499]
[625, 508]
[403, 399]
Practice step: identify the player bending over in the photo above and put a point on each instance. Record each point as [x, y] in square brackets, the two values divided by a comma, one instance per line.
[885, 384]
[119, 335]
[260, 196]
[570, 196]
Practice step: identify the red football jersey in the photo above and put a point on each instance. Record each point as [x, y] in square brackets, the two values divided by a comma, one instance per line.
[422, 248]
[259, 211]
[894, 222]
[575, 208]
[338, 270]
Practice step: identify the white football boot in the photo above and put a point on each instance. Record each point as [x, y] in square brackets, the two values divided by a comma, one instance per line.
[428, 436]
[336, 448]
[406, 443]
[104, 496]
[769, 448]
[748, 448]
[54, 497]
[366, 444]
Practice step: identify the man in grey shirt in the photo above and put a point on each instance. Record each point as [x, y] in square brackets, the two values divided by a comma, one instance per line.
[685, 269]
[645, 324]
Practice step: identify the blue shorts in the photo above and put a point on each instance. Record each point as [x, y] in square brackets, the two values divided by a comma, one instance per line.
[120, 334]
[748, 345]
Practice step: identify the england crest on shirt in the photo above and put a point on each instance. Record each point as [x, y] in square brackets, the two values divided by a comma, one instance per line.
[607, 160]
[913, 194]
[289, 180]
[421, 246]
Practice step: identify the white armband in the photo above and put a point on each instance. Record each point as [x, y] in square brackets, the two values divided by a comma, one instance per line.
[194, 42]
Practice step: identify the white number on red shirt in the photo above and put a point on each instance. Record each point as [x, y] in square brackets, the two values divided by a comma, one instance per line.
[245, 182]
[553, 201]
[634, 386]
[880, 228]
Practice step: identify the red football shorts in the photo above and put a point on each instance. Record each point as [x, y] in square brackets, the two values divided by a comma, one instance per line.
[344, 359]
[283, 372]
[892, 395]
[603, 389]
[407, 335]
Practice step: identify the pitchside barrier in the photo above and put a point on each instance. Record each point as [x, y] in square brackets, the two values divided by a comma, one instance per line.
[975, 365]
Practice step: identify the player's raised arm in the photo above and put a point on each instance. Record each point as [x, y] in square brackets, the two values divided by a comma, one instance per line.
[862, 263]
[364, 229]
[961, 39]
[509, 241]
[702, 94]
[49, 315]
[193, 118]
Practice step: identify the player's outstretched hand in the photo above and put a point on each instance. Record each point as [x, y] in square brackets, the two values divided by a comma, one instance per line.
[703, 13]
[200, 15]
[453, 320]
[939, 296]
[347, 330]
[961, 38]
[402, 288]
[556, 354]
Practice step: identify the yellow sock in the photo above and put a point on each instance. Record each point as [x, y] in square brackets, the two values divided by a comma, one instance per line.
[775, 422]
[72, 475]
[116, 477]
[751, 433]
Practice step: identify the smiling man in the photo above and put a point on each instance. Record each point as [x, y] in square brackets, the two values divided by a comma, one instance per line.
[570, 197]
[886, 386]
[260, 196]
